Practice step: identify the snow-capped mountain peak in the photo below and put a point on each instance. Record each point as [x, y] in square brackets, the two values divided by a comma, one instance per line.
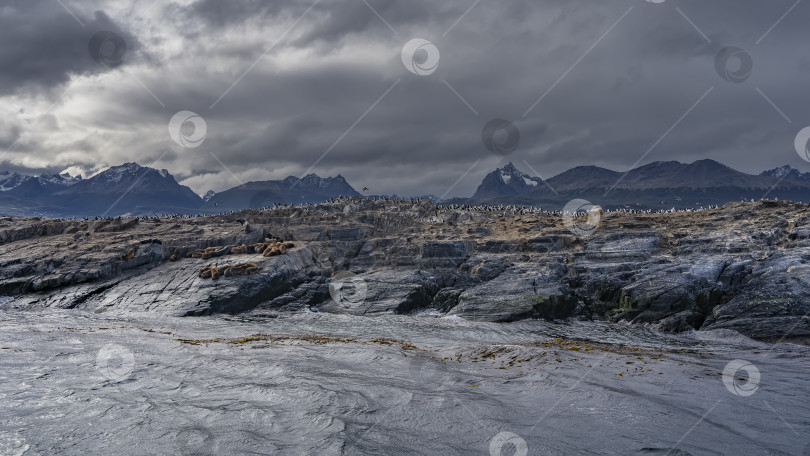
[64, 179]
[787, 173]
[506, 181]
[128, 172]
[10, 181]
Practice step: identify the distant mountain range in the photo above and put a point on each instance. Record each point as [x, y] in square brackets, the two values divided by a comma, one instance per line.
[128, 188]
[658, 185]
[131, 189]
[31, 186]
[309, 189]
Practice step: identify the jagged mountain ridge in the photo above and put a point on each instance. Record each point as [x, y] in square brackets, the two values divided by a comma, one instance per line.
[658, 185]
[787, 173]
[583, 177]
[23, 185]
[132, 189]
[700, 174]
[120, 190]
[127, 188]
[291, 190]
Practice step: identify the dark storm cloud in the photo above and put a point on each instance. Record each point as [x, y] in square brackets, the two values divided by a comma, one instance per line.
[43, 45]
[295, 99]
[224, 14]
[337, 19]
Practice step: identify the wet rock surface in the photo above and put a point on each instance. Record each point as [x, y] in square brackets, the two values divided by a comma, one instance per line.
[326, 384]
[742, 267]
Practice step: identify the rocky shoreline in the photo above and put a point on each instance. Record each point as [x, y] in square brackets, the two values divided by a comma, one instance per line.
[742, 267]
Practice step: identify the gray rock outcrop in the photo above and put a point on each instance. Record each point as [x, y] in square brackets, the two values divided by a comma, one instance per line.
[742, 267]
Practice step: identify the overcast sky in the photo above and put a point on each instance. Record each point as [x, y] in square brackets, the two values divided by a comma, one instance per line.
[308, 79]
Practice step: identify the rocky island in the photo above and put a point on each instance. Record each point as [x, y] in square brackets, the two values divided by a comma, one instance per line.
[743, 266]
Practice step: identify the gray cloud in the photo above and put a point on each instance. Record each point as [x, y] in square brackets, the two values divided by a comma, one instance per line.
[44, 45]
[293, 101]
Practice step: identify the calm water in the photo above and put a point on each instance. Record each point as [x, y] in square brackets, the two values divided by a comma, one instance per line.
[78, 384]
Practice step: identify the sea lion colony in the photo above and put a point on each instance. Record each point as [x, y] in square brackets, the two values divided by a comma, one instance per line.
[270, 247]
[214, 272]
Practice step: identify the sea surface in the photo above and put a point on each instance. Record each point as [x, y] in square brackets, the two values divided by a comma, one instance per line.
[73, 383]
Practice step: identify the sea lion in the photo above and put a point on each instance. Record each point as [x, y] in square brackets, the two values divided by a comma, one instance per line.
[205, 273]
[236, 270]
[219, 251]
[215, 251]
[246, 268]
[214, 272]
[175, 255]
[128, 255]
